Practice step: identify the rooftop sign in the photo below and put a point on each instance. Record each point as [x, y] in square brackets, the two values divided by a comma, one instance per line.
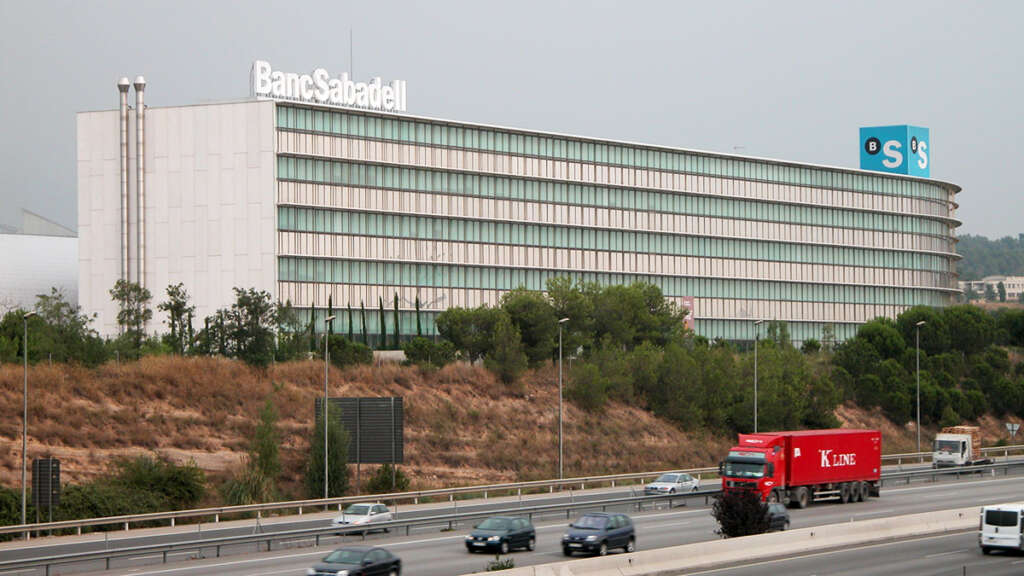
[897, 149]
[320, 88]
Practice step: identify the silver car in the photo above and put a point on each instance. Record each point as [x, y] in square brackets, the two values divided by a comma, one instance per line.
[672, 483]
[360, 516]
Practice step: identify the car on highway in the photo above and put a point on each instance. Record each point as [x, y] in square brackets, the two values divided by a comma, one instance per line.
[501, 534]
[672, 483]
[357, 561]
[778, 516]
[362, 515]
[598, 532]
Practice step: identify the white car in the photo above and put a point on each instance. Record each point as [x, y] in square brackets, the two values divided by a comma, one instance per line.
[672, 483]
[362, 514]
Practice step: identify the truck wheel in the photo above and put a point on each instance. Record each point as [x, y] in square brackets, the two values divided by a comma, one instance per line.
[855, 492]
[844, 493]
[986, 550]
[800, 497]
[863, 491]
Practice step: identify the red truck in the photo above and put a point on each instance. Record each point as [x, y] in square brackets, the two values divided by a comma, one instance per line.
[796, 468]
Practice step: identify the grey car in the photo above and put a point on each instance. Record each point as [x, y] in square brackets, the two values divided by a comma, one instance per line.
[778, 516]
[597, 532]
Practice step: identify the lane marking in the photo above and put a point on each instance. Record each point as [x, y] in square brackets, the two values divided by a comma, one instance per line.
[883, 511]
[951, 552]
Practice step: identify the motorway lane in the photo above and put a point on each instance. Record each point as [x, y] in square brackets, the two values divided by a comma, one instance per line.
[184, 533]
[944, 555]
[444, 554]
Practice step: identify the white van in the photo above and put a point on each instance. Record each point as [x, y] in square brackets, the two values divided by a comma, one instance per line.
[1001, 528]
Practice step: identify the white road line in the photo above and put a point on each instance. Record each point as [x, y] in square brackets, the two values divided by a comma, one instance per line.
[950, 553]
[883, 511]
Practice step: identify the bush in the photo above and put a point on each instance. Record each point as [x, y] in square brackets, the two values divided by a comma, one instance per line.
[344, 352]
[381, 481]
[180, 487]
[422, 351]
[500, 563]
[740, 513]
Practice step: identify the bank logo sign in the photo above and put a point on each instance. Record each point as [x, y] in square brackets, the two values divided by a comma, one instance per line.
[897, 149]
[320, 88]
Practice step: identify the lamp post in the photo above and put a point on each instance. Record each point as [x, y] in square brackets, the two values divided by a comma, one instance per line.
[757, 337]
[560, 322]
[24, 419]
[917, 344]
[327, 359]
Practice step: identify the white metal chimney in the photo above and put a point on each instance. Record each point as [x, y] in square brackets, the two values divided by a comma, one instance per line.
[140, 177]
[122, 87]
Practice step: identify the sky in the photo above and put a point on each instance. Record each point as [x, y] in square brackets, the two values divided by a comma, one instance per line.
[791, 80]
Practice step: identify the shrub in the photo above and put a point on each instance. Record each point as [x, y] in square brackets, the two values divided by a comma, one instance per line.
[381, 481]
[344, 352]
[424, 352]
[500, 563]
[740, 513]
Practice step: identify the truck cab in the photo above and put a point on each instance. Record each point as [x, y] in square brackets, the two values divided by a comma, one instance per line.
[757, 463]
[958, 446]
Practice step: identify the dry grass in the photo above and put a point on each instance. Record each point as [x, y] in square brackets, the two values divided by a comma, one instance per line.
[462, 425]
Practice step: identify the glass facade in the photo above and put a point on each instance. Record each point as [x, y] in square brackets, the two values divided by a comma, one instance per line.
[370, 206]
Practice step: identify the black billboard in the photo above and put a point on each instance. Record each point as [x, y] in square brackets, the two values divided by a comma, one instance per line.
[375, 428]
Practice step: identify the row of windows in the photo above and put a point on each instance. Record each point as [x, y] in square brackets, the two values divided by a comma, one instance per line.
[733, 330]
[457, 183]
[295, 269]
[295, 219]
[458, 136]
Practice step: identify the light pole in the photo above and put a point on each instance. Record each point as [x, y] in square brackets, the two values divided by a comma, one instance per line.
[560, 322]
[327, 359]
[24, 419]
[757, 337]
[917, 344]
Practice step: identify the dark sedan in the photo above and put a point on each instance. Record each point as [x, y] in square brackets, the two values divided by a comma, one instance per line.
[501, 534]
[357, 561]
[597, 532]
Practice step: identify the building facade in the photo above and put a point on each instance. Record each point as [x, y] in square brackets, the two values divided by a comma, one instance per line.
[313, 203]
[1014, 286]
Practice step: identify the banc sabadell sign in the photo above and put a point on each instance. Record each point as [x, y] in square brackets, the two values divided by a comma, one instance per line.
[320, 88]
[897, 149]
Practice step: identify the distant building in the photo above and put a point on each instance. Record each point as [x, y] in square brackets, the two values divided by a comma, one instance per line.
[34, 263]
[309, 201]
[1014, 286]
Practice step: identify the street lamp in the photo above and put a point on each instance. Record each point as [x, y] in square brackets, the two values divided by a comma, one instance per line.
[560, 322]
[327, 359]
[757, 337]
[24, 419]
[917, 343]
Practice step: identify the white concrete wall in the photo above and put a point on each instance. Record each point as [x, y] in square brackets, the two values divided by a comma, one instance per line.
[32, 264]
[210, 210]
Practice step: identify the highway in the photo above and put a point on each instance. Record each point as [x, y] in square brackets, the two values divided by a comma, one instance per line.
[433, 553]
[944, 555]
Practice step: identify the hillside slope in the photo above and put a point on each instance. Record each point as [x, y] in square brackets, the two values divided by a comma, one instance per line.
[462, 425]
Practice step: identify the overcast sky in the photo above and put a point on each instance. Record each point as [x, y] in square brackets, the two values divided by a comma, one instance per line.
[789, 80]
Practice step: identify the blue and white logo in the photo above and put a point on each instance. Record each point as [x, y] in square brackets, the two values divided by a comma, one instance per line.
[896, 149]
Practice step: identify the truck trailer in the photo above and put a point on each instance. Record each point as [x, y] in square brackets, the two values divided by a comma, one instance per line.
[805, 466]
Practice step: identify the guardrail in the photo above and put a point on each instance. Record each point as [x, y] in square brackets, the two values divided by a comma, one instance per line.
[510, 488]
[264, 541]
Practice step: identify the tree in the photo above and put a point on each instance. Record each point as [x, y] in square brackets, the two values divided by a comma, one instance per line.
[575, 302]
[64, 331]
[397, 331]
[252, 320]
[133, 311]
[882, 335]
[387, 479]
[532, 314]
[1001, 288]
[424, 352]
[419, 325]
[971, 329]
[990, 293]
[291, 337]
[178, 309]
[470, 330]
[507, 358]
[383, 327]
[338, 458]
[740, 513]
[344, 352]
[350, 338]
[362, 322]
